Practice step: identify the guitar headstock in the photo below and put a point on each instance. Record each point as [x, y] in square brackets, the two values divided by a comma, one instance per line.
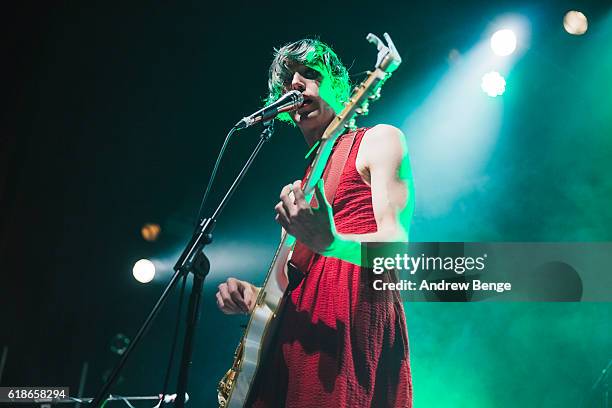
[367, 91]
[388, 58]
[387, 61]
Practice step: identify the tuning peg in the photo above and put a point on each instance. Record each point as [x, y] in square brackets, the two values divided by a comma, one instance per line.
[363, 109]
[375, 96]
[350, 124]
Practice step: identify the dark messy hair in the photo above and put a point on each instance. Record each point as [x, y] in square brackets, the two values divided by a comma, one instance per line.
[315, 54]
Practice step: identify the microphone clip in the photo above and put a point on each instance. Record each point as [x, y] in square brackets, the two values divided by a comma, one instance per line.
[290, 101]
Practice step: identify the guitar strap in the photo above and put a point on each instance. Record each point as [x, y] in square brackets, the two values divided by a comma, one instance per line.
[302, 256]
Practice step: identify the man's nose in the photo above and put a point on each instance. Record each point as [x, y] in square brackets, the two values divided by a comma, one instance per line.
[298, 83]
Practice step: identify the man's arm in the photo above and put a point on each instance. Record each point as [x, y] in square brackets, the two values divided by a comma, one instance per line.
[383, 158]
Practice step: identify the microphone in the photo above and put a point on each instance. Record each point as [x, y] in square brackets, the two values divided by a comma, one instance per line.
[288, 102]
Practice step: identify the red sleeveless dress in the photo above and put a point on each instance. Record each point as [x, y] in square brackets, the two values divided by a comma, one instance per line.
[339, 344]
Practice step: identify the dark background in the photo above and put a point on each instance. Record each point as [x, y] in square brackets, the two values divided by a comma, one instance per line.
[116, 111]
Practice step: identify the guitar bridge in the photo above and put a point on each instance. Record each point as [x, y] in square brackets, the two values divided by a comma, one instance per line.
[226, 384]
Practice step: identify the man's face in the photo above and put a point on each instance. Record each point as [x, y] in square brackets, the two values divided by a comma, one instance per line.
[316, 86]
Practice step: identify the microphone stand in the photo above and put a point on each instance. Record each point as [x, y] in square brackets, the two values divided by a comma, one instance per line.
[192, 260]
[604, 382]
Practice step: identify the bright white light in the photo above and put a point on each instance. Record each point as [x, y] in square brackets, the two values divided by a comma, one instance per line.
[575, 22]
[503, 42]
[493, 84]
[144, 271]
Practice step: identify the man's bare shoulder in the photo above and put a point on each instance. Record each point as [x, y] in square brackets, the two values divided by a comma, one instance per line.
[382, 131]
[384, 142]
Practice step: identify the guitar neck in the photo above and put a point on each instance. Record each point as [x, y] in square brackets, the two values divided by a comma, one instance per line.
[338, 126]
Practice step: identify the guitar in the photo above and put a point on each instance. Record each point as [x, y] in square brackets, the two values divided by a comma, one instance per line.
[234, 387]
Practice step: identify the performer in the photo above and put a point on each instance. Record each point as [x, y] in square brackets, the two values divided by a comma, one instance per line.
[338, 344]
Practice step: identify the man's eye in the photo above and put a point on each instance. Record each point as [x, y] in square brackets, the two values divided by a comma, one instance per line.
[311, 73]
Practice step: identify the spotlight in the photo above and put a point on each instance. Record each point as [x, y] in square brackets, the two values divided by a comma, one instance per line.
[143, 271]
[493, 84]
[575, 22]
[454, 56]
[119, 343]
[150, 231]
[503, 42]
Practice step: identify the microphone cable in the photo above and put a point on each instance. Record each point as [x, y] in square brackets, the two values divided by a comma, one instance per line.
[182, 293]
[213, 175]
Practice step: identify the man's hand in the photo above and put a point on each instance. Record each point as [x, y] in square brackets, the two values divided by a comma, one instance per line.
[313, 226]
[235, 296]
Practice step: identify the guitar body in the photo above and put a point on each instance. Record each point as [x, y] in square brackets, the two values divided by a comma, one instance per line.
[233, 389]
[255, 342]
[235, 386]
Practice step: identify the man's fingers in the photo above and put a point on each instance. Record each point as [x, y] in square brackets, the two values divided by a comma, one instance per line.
[249, 296]
[222, 306]
[283, 223]
[232, 285]
[287, 201]
[236, 296]
[281, 215]
[220, 303]
[228, 303]
[300, 199]
[235, 289]
[285, 191]
[225, 302]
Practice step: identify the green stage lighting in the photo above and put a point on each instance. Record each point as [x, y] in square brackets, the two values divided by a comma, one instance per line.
[493, 84]
[503, 42]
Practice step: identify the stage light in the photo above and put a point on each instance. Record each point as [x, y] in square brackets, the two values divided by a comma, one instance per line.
[493, 84]
[454, 56]
[575, 22]
[119, 343]
[144, 271]
[150, 231]
[503, 42]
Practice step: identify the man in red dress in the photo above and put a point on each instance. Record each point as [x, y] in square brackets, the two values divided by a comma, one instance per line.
[338, 345]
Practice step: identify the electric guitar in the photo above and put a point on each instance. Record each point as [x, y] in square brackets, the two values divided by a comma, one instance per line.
[234, 387]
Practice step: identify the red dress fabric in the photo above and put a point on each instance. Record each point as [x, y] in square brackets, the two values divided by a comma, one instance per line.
[339, 343]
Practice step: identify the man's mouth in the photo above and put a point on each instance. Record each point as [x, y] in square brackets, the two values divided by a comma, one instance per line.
[306, 106]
